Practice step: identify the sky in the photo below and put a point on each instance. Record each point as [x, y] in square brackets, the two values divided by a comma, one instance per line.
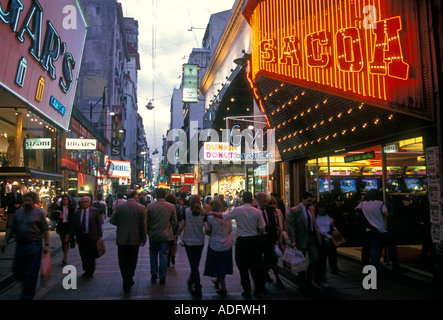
[173, 43]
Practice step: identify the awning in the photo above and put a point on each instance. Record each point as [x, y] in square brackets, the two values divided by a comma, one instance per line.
[27, 173]
[185, 188]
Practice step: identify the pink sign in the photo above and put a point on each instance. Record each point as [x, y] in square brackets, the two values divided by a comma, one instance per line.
[41, 52]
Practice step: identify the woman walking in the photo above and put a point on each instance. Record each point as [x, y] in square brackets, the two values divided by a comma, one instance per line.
[219, 255]
[65, 211]
[194, 239]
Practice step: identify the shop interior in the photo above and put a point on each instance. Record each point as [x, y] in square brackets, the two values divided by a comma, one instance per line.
[399, 172]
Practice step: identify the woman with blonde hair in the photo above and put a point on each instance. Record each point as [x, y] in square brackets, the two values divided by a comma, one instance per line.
[219, 255]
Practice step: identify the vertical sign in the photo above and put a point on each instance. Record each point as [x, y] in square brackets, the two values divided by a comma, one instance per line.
[116, 130]
[190, 83]
[433, 173]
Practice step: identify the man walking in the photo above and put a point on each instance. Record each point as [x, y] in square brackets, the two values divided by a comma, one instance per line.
[269, 237]
[250, 224]
[30, 227]
[161, 221]
[130, 219]
[86, 227]
[304, 235]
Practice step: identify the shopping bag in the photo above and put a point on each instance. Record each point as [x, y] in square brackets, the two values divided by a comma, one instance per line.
[294, 260]
[100, 248]
[45, 270]
[337, 238]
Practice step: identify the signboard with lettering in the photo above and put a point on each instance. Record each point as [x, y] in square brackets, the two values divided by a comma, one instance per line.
[119, 169]
[221, 151]
[176, 178]
[366, 51]
[81, 144]
[116, 130]
[189, 178]
[190, 83]
[39, 143]
[360, 156]
[42, 46]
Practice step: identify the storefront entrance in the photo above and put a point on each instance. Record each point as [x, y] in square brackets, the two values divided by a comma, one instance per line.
[398, 170]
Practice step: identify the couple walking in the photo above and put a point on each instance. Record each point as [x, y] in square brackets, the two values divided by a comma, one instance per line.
[134, 223]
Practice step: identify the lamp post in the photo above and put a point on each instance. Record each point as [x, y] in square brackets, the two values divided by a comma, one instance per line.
[91, 107]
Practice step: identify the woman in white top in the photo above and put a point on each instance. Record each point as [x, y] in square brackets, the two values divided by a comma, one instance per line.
[194, 239]
[219, 255]
[375, 212]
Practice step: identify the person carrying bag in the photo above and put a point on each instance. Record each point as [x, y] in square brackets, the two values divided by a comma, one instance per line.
[375, 212]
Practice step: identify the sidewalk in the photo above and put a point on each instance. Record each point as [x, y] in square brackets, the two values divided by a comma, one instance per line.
[107, 284]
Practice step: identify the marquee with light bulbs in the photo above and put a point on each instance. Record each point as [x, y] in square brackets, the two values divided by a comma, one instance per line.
[325, 69]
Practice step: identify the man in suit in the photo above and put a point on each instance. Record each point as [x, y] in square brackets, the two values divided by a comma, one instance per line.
[269, 237]
[130, 219]
[161, 222]
[14, 200]
[304, 235]
[145, 199]
[86, 228]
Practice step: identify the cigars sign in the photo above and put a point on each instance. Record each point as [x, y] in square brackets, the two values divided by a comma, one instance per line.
[364, 50]
[41, 51]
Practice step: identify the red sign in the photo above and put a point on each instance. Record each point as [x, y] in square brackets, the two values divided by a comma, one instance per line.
[189, 178]
[41, 53]
[176, 178]
[361, 50]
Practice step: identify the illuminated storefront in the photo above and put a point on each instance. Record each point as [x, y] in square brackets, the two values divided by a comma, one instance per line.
[348, 88]
[83, 158]
[39, 66]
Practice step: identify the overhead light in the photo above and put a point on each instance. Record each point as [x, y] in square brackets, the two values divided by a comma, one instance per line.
[251, 127]
[149, 106]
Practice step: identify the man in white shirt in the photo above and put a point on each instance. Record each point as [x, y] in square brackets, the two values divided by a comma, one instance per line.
[250, 224]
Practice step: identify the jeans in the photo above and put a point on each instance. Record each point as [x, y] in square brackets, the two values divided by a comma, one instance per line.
[27, 266]
[194, 254]
[379, 240]
[158, 253]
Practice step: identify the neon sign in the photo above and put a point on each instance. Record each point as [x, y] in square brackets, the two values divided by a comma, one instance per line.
[358, 49]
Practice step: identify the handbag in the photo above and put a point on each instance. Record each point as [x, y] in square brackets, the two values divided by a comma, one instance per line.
[101, 250]
[45, 271]
[294, 260]
[337, 238]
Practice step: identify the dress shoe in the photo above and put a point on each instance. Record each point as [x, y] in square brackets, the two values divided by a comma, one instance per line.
[162, 281]
[222, 292]
[246, 295]
[153, 278]
[197, 293]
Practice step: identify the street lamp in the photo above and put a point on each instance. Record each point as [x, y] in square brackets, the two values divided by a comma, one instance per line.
[93, 106]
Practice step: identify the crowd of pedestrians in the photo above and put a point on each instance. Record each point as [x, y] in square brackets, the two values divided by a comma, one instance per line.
[263, 233]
